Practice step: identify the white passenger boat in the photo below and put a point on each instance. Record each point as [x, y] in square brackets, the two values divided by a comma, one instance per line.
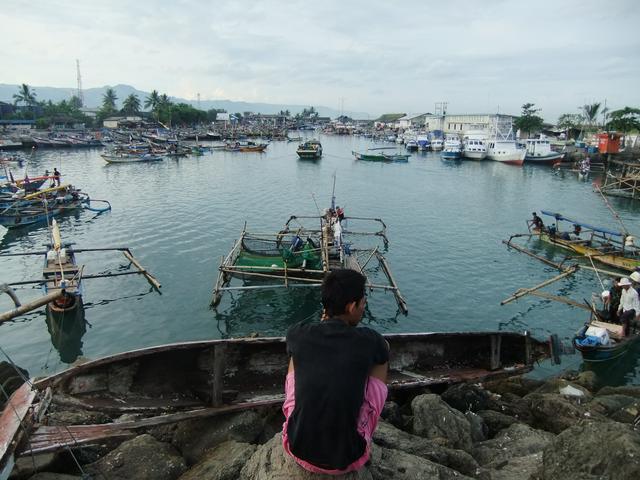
[474, 145]
[539, 151]
[502, 147]
[437, 144]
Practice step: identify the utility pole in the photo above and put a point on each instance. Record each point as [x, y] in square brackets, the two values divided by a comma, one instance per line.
[198, 100]
[79, 94]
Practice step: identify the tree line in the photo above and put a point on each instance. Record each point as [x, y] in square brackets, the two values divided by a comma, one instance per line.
[624, 120]
[162, 109]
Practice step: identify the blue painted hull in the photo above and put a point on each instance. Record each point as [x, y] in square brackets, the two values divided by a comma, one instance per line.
[451, 155]
[605, 353]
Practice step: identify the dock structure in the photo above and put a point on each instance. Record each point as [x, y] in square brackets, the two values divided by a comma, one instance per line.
[622, 180]
[300, 256]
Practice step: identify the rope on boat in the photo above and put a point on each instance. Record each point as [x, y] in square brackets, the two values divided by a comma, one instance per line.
[98, 210]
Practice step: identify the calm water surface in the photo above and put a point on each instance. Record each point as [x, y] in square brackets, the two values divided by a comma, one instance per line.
[445, 223]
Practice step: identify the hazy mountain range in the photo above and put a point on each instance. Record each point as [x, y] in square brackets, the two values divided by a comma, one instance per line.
[93, 99]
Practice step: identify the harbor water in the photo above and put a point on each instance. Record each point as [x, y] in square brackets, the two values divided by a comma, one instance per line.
[446, 222]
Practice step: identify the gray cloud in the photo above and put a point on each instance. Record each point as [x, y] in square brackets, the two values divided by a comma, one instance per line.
[478, 56]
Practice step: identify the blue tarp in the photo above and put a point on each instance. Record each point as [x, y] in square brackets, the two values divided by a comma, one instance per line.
[588, 341]
[560, 217]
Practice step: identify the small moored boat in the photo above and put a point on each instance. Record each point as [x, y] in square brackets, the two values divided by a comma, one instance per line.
[311, 149]
[376, 155]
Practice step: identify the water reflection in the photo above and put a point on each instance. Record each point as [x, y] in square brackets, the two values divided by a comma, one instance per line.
[621, 371]
[267, 312]
[66, 331]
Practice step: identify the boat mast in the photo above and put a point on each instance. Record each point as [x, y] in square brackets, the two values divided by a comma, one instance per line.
[333, 193]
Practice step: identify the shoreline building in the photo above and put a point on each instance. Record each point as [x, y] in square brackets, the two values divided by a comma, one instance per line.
[462, 123]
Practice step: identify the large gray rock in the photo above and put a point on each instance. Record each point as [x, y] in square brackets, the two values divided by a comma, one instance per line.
[479, 430]
[391, 413]
[518, 440]
[222, 462]
[435, 420]
[141, 458]
[622, 408]
[270, 462]
[26, 466]
[516, 385]
[519, 468]
[496, 421]
[554, 413]
[630, 390]
[511, 405]
[387, 464]
[466, 397]
[195, 437]
[588, 379]
[593, 450]
[53, 476]
[386, 435]
[570, 390]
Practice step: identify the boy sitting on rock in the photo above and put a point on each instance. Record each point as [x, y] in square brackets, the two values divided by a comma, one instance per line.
[336, 383]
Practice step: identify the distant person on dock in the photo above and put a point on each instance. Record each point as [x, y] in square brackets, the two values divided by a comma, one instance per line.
[629, 305]
[336, 383]
[56, 176]
[537, 222]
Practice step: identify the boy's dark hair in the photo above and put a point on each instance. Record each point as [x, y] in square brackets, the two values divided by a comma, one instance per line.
[341, 287]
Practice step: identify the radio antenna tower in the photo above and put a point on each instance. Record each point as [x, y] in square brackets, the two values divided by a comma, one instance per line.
[198, 101]
[80, 95]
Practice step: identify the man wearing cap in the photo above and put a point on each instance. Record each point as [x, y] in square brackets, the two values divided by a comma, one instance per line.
[629, 305]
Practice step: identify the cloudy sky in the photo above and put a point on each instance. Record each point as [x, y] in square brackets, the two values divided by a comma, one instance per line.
[365, 55]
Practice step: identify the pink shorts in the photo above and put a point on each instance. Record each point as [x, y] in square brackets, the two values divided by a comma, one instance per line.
[375, 395]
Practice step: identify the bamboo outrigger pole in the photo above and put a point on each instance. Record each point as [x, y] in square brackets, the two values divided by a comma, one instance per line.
[526, 291]
[27, 307]
[150, 278]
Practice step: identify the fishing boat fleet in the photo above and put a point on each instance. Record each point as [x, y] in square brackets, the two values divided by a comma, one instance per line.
[609, 252]
[498, 144]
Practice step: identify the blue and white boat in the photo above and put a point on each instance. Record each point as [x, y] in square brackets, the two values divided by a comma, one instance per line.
[452, 148]
[423, 141]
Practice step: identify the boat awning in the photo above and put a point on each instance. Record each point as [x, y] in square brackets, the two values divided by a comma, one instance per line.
[559, 216]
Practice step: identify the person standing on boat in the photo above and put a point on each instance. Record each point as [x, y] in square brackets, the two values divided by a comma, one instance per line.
[629, 305]
[336, 383]
[537, 222]
[56, 176]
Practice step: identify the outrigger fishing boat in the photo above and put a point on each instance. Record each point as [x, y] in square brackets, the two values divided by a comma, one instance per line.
[610, 247]
[39, 206]
[301, 256]
[372, 155]
[311, 150]
[246, 147]
[61, 273]
[62, 277]
[167, 384]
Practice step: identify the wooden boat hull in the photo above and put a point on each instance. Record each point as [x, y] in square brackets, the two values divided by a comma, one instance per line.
[605, 353]
[171, 383]
[616, 261]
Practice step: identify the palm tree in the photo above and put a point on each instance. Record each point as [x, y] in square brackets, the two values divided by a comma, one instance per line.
[109, 99]
[25, 95]
[131, 104]
[591, 112]
[164, 100]
[152, 100]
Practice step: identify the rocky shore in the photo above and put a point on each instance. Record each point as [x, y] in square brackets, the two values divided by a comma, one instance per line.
[514, 428]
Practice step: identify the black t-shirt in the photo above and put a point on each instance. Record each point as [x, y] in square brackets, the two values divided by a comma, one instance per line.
[332, 362]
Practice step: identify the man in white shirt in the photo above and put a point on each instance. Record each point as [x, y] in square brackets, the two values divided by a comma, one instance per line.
[629, 304]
